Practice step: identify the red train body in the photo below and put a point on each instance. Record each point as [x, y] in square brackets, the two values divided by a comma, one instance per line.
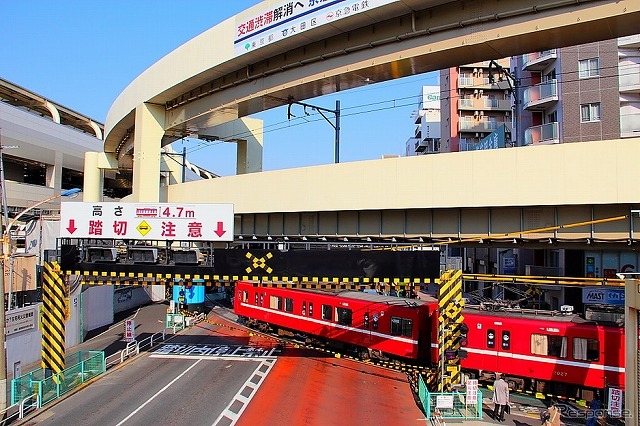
[534, 352]
[390, 325]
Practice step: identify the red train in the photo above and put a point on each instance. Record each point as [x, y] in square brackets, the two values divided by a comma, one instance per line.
[559, 354]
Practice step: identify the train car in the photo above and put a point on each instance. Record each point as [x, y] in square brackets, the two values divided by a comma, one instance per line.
[558, 354]
[371, 324]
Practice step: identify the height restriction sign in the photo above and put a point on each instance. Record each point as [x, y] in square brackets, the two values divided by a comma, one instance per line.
[146, 221]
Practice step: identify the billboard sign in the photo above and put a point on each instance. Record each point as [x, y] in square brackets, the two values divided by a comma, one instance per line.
[603, 296]
[147, 221]
[282, 19]
[495, 140]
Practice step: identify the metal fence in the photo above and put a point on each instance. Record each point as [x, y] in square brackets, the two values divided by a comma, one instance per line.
[47, 386]
[449, 405]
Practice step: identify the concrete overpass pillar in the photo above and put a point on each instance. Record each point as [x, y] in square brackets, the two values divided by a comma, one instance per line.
[248, 134]
[146, 153]
[94, 165]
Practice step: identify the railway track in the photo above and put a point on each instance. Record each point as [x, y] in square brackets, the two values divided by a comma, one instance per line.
[412, 372]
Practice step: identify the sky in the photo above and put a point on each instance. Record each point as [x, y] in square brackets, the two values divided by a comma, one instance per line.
[82, 55]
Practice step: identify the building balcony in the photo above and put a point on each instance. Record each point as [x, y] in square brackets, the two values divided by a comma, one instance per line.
[538, 61]
[629, 80]
[544, 134]
[630, 125]
[484, 104]
[541, 95]
[631, 42]
[428, 146]
[481, 126]
[481, 82]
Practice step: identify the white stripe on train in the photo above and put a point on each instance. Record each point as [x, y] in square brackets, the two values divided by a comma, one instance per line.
[545, 360]
[331, 324]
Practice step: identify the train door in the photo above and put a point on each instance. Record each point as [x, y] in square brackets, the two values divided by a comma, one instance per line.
[498, 345]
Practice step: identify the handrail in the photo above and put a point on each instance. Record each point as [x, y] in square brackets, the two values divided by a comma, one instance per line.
[23, 402]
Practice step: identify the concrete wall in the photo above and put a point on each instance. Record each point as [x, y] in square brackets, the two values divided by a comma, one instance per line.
[130, 298]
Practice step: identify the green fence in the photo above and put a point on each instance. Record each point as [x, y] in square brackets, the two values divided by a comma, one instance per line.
[450, 405]
[86, 366]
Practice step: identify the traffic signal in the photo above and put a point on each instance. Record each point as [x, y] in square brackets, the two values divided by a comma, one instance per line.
[464, 340]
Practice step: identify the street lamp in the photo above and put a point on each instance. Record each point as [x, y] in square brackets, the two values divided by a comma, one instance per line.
[9, 250]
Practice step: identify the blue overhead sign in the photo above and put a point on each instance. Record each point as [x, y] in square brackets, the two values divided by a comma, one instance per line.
[603, 296]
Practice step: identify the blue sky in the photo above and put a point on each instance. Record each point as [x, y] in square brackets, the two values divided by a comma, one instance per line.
[83, 54]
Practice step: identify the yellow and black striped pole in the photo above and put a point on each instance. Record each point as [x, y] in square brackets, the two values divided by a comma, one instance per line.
[53, 321]
[450, 317]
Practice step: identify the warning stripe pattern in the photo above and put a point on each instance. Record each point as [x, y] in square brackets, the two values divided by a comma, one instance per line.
[450, 317]
[355, 283]
[53, 320]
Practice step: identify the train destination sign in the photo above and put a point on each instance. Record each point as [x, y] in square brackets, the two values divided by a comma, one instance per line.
[147, 221]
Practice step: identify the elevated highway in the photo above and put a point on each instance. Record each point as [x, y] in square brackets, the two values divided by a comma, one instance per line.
[203, 87]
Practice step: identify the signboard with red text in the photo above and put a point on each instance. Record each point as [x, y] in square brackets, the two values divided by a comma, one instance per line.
[147, 221]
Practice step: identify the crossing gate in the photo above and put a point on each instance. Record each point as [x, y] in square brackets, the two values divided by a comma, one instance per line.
[451, 332]
[53, 318]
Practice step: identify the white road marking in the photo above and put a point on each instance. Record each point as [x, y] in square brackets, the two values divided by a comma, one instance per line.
[231, 417]
[158, 393]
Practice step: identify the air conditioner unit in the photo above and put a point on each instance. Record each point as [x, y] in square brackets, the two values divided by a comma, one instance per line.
[475, 113]
[475, 70]
[481, 91]
[481, 113]
[143, 254]
[102, 254]
[507, 113]
[475, 91]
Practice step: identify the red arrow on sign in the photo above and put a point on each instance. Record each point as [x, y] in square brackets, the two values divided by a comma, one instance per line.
[72, 226]
[219, 231]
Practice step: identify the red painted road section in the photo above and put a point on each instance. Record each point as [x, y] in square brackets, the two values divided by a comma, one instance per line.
[310, 388]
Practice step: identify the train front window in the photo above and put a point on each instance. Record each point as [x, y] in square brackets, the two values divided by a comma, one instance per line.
[401, 326]
[344, 316]
[542, 344]
[586, 349]
[326, 312]
[288, 304]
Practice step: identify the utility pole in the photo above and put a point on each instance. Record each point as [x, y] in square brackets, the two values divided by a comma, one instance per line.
[514, 85]
[5, 227]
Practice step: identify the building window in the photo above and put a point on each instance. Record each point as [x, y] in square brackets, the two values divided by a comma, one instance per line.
[586, 349]
[590, 112]
[589, 68]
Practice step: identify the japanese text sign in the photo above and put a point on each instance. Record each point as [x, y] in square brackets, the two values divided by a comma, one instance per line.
[145, 221]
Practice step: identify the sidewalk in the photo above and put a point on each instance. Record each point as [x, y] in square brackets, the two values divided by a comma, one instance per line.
[149, 319]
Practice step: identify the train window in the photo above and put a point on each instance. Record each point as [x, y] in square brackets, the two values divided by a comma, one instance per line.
[288, 304]
[365, 322]
[245, 296]
[542, 344]
[275, 302]
[256, 298]
[326, 312]
[310, 309]
[401, 327]
[491, 338]
[304, 308]
[261, 300]
[375, 321]
[345, 316]
[586, 349]
[506, 340]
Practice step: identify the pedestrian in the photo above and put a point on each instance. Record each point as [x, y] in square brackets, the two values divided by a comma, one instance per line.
[595, 409]
[500, 397]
